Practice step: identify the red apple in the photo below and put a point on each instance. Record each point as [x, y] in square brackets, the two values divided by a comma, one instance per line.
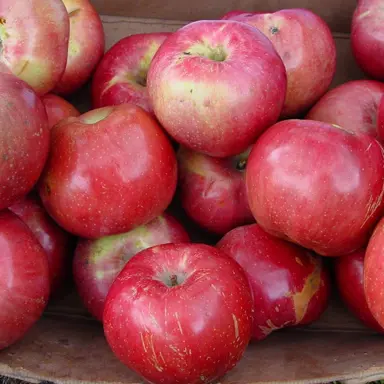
[34, 41]
[85, 48]
[24, 279]
[110, 170]
[57, 243]
[316, 185]
[121, 76]
[374, 273]
[179, 314]
[24, 139]
[349, 273]
[97, 262]
[367, 37]
[309, 58]
[380, 120]
[290, 285]
[213, 190]
[58, 109]
[353, 105]
[215, 85]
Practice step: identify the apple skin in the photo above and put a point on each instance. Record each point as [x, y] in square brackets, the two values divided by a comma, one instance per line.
[212, 190]
[57, 244]
[202, 94]
[24, 139]
[193, 332]
[309, 58]
[349, 276]
[380, 120]
[316, 185]
[110, 170]
[121, 75]
[290, 285]
[24, 279]
[373, 273]
[98, 262]
[354, 106]
[34, 36]
[367, 38]
[58, 109]
[86, 45]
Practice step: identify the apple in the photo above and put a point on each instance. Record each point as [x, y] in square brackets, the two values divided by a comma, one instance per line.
[349, 276]
[367, 38]
[373, 273]
[179, 313]
[317, 185]
[353, 105]
[212, 190]
[58, 109]
[121, 76]
[86, 45]
[24, 279]
[290, 285]
[98, 262]
[34, 38]
[24, 138]
[57, 243]
[216, 85]
[110, 170]
[380, 119]
[309, 58]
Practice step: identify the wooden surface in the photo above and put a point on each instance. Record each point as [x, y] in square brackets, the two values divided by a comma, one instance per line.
[336, 13]
[63, 350]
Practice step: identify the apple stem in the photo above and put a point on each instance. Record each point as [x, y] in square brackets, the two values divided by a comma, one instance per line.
[173, 279]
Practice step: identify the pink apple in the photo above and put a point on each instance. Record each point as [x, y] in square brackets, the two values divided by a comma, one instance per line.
[58, 109]
[349, 273]
[367, 37]
[98, 262]
[86, 45]
[317, 185]
[57, 244]
[374, 273]
[216, 85]
[109, 170]
[354, 106]
[309, 57]
[290, 285]
[121, 76]
[34, 41]
[24, 139]
[380, 119]
[213, 190]
[24, 279]
[179, 313]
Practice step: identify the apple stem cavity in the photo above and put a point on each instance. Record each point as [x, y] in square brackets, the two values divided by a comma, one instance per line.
[217, 53]
[173, 280]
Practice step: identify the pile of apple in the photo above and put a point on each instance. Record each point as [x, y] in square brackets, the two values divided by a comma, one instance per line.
[229, 121]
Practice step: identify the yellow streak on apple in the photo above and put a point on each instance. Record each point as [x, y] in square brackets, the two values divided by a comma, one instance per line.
[302, 299]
